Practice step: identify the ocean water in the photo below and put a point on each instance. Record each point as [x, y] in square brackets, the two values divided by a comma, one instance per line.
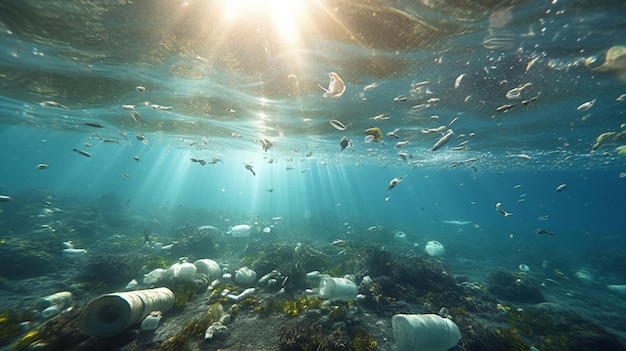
[148, 89]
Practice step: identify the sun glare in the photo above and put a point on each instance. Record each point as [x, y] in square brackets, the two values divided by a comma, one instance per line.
[285, 15]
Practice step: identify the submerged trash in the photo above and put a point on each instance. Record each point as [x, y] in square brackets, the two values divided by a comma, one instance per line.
[336, 87]
[434, 248]
[501, 210]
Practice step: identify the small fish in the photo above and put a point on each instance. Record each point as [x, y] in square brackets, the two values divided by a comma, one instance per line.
[136, 158]
[344, 142]
[42, 166]
[215, 160]
[339, 242]
[307, 120]
[338, 125]
[249, 167]
[128, 107]
[235, 135]
[141, 88]
[123, 134]
[336, 87]
[402, 155]
[543, 231]
[394, 182]
[230, 110]
[110, 141]
[126, 175]
[443, 140]
[585, 106]
[82, 152]
[501, 210]
[621, 97]
[434, 130]
[457, 81]
[561, 187]
[94, 124]
[5, 198]
[53, 104]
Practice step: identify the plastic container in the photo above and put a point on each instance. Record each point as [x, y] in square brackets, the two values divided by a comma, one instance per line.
[424, 332]
[110, 314]
[209, 267]
[240, 231]
[337, 289]
[434, 249]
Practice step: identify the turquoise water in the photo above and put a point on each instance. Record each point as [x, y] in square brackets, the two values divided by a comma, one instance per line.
[209, 81]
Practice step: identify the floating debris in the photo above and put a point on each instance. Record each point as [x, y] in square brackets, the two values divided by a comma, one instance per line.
[393, 133]
[443, 140]
[381, 117]
[136, 116]
[266, 144]
[400, 99]
[163, 108]
[53, 104]
[434, 130]
[394, 182]
[338, 125]
[526, 102]
[585, 106]
[375, 133]
[402, 144]
[82, 152]
[94, 124]
[457, 81]
[370, 86]
[344, 142]
[501, 210]
[336, 87]
[515, 93]
[505, 107]
[249, 167]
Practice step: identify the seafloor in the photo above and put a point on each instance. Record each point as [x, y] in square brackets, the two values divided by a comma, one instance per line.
[494, 308]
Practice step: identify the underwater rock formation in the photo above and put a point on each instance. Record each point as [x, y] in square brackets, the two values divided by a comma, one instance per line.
[518, 287]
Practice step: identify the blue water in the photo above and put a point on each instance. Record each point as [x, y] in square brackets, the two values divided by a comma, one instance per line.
[227, 81]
